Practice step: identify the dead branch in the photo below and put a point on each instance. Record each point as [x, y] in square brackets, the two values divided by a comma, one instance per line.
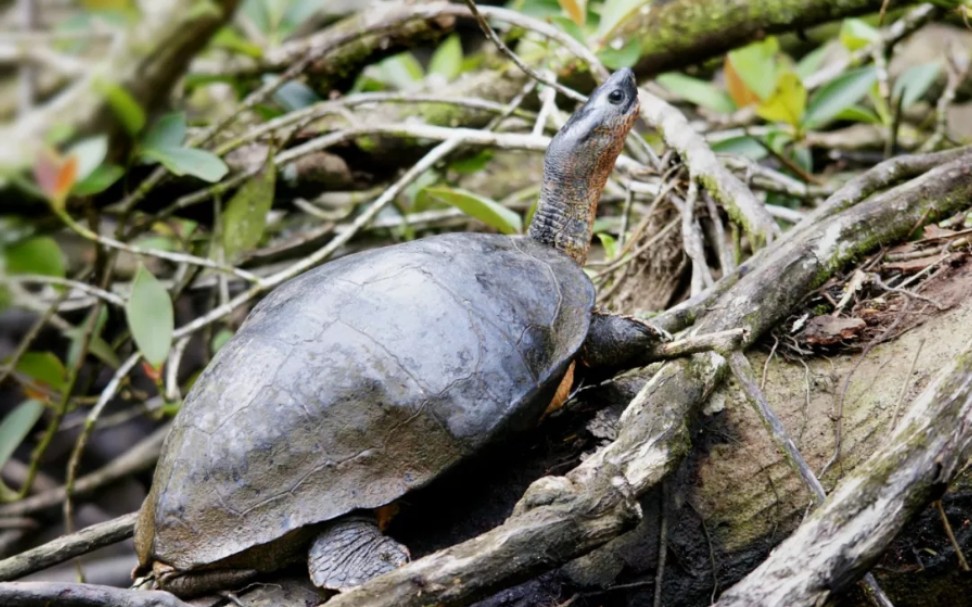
[883, 176]
[67, 547]
[44, 594]
[358, 39]
[706, 169]
[675, 34]
[720, 341]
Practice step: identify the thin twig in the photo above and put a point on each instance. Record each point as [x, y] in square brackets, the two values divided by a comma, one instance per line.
[68, 546]
[84, 287]
[662, 542]
[692, 240]
[107, 241]
[963, 564]
[726, 262]
[505, 50]
[744, 374]
[324, 108]
[66, 594]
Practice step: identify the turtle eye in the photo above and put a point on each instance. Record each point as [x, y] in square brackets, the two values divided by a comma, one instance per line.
[616, 96]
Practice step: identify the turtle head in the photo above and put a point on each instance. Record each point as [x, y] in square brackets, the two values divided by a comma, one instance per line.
[578, 162]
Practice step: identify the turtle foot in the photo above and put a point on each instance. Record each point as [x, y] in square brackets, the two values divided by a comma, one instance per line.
[351, 552]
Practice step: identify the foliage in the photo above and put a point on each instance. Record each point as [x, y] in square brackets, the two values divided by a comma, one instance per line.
[149, 315]
[164, 143]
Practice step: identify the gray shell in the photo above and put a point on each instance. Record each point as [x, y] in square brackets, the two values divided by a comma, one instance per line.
[358, 381]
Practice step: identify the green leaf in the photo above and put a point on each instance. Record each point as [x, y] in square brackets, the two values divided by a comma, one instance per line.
[614, 12]
[472, 164]
[787, 103]
[755, 64]
[485, 210]
[128, 111]
[43, 368]
[541, 9]
[626, 56]
[447, 59]
[914, 82]
[219, 339]
[169, 131]
[838, 94]
[699, 92]
[150, 317]
[245, 217]
[801, 156]
[16, 425]
[230, 40]
[610, 245]
[856, 113]
[741, 146]
[96, 344]
[810, 62]
[39, 255]
[413, 191]
[99, 180]
[189, 161]
[293, 95]
[856, 34]
[401, 71]
[90, 153]
[98, 347]
[572, 29]
[296, 12]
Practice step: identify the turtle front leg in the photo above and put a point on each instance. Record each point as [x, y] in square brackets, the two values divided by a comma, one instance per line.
[350, 552]
[617, 343]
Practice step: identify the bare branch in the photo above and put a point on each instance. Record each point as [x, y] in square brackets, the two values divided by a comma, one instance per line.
[44, 594]
[67, 547]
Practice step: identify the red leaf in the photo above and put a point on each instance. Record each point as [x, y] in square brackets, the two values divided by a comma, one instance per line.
[153, 373]
[55, 175]
[66, 177]
[46, 169]
[738, 91]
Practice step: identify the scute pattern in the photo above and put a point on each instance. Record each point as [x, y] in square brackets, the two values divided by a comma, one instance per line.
[359, 381]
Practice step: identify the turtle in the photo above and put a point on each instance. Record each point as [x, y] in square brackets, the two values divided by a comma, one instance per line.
[369, 376]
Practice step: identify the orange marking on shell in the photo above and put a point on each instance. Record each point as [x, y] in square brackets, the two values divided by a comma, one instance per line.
[563, 391]
[385, 514]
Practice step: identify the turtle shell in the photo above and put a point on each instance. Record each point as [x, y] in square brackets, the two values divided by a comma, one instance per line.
[358, 381]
